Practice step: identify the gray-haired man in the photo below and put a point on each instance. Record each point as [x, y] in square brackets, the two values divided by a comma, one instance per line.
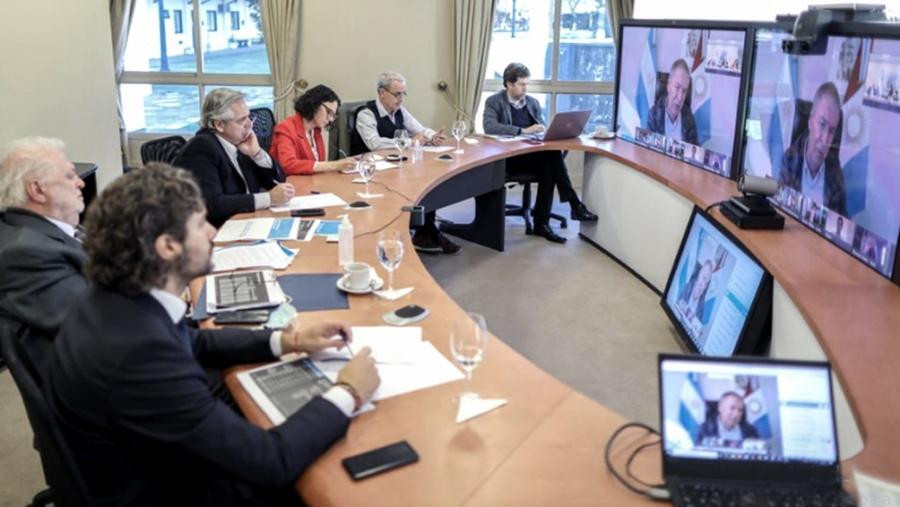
[235, 174]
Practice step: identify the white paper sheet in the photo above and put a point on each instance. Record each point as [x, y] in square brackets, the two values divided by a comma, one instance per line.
[261, 229]
[390, 345]
[383, 165]
[431, 369]
[262, 255]
[470, 407]
[310, 202]
[436, 149]
[273, 291]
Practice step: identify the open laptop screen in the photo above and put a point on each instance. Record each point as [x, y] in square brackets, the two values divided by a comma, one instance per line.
[749, 410]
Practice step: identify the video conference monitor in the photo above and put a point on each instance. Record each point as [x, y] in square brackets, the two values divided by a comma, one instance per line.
[718, 413]
[718, 296]
[679, 89]
[825, 126]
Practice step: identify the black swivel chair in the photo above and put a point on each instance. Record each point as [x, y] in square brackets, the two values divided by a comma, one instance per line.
[345, 124]
[525, 210]
[263, 126]
[67, 488]
[164, 149]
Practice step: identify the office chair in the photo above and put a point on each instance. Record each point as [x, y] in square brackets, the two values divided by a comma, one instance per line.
[524, 210]
[165, 149]
[67, 488]
[344, 125]
[263, 126]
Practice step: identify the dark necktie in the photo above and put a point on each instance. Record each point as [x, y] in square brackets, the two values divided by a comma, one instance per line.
[79, 233]
[185, 334]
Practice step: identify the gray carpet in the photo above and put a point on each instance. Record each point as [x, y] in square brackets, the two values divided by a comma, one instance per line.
[569, 308]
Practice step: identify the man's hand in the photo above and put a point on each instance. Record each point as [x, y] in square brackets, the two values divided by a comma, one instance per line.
[250, 145]
[438, 138]
[314, 338]
[420, 137]
[537, 127]
[360, 373]
[281, 193]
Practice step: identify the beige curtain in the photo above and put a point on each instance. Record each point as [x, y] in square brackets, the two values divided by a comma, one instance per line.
[618, 9]
[120, 14]
[472, 20]
[281, 25]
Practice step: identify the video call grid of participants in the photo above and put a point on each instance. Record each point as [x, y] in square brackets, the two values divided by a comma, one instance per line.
[680, 81]
[838, 174]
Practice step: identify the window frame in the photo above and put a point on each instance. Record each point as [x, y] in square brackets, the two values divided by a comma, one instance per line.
[554, 86]
[177, 21]
[198, 78]
[212, 21]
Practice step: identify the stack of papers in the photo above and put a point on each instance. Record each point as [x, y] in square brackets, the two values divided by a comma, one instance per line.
[260, 255]
[256, 229]
[405, 363]
[311, 202]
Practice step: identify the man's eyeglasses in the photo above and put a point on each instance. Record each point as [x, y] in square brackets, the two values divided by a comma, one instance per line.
[397, 95]
[243, 120]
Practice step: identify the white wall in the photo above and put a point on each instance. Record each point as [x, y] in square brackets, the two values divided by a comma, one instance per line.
[56, 79]
[756, 10]
[347, 43]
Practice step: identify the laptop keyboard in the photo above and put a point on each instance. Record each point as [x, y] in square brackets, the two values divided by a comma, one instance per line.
[707, 495]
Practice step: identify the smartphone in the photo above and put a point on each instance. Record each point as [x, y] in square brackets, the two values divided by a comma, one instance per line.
[243, 317]
[380, 460]
[312, 212]
[405, 315]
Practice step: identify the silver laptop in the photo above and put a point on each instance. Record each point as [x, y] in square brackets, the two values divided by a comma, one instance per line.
[565, 125]
[749, 431]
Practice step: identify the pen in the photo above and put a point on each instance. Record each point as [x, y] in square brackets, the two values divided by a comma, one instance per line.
[346, 343]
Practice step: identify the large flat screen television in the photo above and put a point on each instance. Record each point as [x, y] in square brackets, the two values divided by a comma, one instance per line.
[826, 127]
[718, 296]
[678, 89]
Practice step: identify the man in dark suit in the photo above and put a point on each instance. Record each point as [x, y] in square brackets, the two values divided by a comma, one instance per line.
[671, 115]
[811, 164]
[235, 174]
[512, 112]
[127, 386]
[40, 259]
[729, 426]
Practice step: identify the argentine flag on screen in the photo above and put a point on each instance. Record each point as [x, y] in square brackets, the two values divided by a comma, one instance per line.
[758, 413]
[692, 406]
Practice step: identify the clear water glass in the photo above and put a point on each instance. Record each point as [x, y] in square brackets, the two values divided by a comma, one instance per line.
[468, 340]
[390, 253]
[458, 131]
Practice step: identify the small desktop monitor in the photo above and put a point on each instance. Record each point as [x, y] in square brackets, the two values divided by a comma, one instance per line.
[718, 296]
[825, 127]
[678, 89]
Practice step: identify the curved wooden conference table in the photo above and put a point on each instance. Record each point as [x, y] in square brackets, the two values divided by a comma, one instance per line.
[546, 445]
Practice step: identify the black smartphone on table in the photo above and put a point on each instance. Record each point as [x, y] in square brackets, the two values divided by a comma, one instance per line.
[380, 460]
[311, 212]
[242, 317]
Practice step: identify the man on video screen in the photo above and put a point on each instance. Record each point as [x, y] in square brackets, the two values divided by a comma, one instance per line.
[728, 428]
[671, 115]
[811, 165]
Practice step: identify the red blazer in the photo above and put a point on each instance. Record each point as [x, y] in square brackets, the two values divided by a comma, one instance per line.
[291, 149]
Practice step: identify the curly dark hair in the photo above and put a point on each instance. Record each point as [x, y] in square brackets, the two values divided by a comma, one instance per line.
[513, 72]
[307, 103]
[123, 223]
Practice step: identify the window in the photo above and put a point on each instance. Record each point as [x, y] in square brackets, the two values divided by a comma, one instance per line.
[168, 72]
[568, 46]
[235, 20]
[212, 22]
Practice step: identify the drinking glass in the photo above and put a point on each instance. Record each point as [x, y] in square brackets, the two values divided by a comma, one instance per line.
[401, 142]
[390, 252]
[468, 338]
[365, 166]
[458, 131]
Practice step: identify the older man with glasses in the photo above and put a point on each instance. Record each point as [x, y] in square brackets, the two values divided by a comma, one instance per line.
[235, 174]
[376, 123]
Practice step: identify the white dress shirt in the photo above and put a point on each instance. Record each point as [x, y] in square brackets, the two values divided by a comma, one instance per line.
[813, 186]
[64, 226]
[673, 128]
[261, 200]
[367, 127]
[175, 307]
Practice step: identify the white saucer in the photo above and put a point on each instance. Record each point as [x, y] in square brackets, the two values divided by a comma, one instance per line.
[374, 284]
[605, 137]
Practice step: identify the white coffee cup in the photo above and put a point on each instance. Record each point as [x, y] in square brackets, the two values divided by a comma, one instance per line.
[359, 275]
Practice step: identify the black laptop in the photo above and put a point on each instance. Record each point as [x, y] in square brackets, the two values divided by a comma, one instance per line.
[749, 431]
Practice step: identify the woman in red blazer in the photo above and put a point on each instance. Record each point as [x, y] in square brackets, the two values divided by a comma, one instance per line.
[297, 143]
